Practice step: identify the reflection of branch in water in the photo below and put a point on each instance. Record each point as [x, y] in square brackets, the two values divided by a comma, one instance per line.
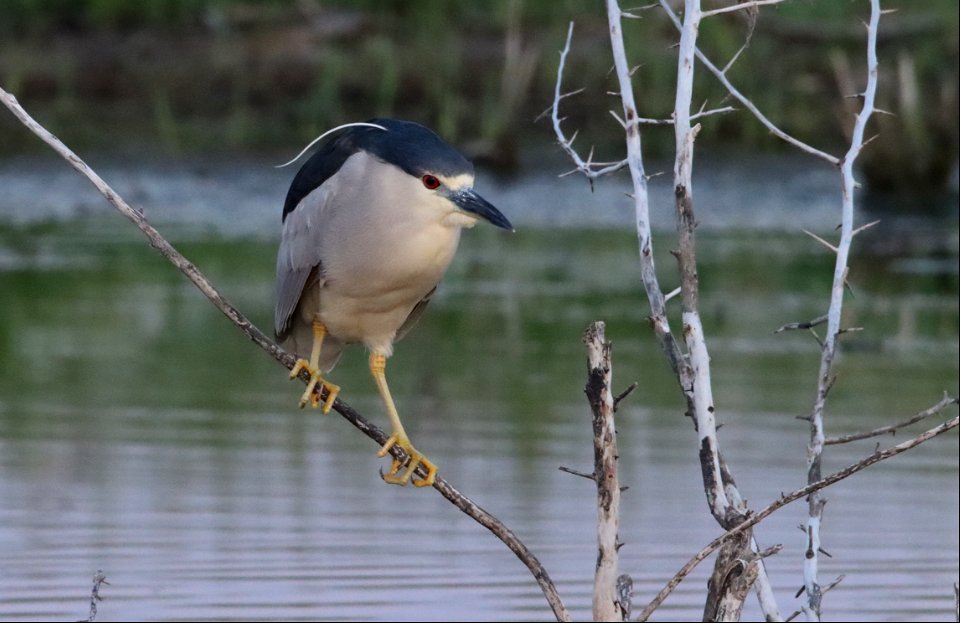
[287, 360]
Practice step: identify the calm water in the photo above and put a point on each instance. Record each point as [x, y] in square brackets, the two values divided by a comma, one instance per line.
[142, 435]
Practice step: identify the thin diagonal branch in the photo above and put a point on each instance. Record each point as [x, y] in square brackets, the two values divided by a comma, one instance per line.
[735, 57]
[820, 240]
[865, 227]
[754, 519]
[743, 99]
[575, 472]
[192, 273]
[740, 6]
[945, 402]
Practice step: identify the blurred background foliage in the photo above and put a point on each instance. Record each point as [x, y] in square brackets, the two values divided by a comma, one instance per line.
[208, 75]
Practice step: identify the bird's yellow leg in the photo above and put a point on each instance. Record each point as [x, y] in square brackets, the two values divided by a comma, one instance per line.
[378, 364]
[313, 367]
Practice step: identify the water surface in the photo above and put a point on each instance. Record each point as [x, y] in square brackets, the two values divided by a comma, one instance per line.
[141, 434]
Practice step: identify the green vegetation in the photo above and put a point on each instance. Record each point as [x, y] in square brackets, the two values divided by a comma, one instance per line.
[214, 74]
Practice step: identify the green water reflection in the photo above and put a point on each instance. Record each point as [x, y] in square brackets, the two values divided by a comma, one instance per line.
[92, 318]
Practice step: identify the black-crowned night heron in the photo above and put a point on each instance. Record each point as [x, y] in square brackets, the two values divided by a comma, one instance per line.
[371, 223]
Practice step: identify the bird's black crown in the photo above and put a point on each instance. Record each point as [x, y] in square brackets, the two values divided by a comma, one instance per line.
[405, 144]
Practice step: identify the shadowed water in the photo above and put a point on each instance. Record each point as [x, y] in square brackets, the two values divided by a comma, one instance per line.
[141, 434]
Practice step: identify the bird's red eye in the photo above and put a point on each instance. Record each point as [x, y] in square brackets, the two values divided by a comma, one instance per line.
[430, 182]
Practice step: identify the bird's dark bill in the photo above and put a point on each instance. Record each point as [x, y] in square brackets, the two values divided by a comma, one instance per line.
[469, 201]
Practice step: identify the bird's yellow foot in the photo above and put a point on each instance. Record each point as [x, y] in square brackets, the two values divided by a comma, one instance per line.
[312, 393]
[414, 460]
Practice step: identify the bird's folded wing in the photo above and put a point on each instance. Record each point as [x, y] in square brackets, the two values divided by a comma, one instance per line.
[298, 258]
[415, 314]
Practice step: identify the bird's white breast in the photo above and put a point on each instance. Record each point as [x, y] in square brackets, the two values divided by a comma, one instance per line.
[384, 247]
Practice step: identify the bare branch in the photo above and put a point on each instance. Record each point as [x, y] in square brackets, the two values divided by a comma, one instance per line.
[832, 585]
[846, 330]
[828, 351]
[702, 113]
[623, 124]
[893, 428]
[98, 580]
[622, 395]
[167, 250]
[820, 240]
[606, 601]
[643, 7]
[746, 101]
[672, 293]
[736, 56]
[754, 519]
[651, 121]
[864, 227]
[568, 470]
[867, 142]
[648, 272]
[625, 596]
[753, 4]
[792, 326]
[829, 587]
[700, 388]
[722, 495]
[546, 111]
[590, 171]
[712, 111]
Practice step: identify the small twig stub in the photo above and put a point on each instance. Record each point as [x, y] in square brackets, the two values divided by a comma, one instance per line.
[99, 579]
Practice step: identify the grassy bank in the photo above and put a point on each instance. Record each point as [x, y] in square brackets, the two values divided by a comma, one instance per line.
[192, 75]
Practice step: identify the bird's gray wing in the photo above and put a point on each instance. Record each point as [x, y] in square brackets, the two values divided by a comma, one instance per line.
[299, 256]
[415, 314]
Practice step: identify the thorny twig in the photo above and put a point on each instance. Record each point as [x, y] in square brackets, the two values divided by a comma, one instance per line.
[812, 608]
[722, 495]
[701, 113]
[592, 170]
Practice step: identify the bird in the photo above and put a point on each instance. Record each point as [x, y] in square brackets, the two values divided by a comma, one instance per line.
[370, 224]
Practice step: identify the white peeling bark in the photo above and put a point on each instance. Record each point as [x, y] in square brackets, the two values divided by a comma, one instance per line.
[812, 609]
[606, 599]
[728, 509]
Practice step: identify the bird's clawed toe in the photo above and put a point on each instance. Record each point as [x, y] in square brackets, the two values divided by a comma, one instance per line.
[401, 471]
[315, 387]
